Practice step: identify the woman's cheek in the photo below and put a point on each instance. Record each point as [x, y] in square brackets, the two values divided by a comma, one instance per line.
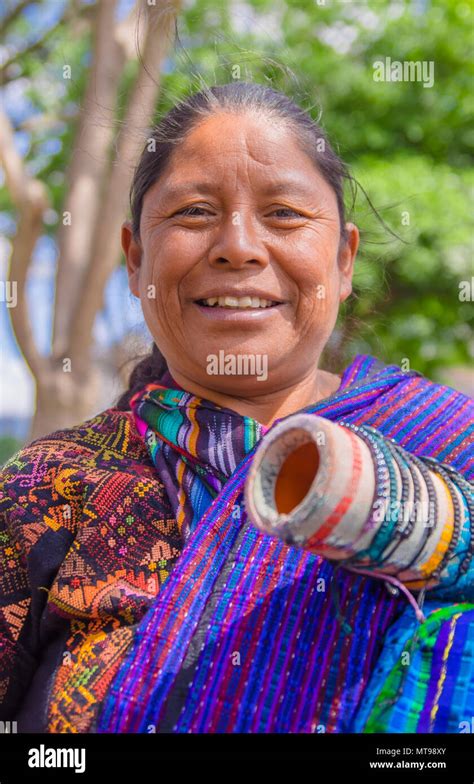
[319, 305]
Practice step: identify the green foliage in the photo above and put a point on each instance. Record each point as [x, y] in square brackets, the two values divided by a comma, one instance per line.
[408, 298]
[8, 447]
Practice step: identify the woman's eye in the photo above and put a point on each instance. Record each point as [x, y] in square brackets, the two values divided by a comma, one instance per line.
[191, 211]
[289, 213]
[197, 211]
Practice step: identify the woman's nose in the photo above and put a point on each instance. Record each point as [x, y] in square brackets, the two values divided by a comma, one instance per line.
[238, 243]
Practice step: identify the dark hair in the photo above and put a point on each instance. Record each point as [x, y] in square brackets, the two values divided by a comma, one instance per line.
[237, 97]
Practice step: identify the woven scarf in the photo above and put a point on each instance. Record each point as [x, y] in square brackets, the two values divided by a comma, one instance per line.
[250, 635]
[195, 445]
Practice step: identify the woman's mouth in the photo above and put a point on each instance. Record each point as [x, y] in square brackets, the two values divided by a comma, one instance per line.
[237, 302]
[238, 308]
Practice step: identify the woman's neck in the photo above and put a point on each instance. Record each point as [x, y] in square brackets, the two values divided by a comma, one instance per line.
[266, 407]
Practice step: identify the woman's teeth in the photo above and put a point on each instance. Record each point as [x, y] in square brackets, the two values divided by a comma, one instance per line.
[237, 302]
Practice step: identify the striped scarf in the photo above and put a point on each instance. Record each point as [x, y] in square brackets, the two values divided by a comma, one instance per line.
[250, 635]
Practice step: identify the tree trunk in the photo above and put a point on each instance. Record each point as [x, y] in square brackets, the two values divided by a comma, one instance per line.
[69, 382]
[63, 399]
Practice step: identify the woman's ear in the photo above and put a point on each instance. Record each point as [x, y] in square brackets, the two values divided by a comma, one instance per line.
[346, 259]
[133, 257]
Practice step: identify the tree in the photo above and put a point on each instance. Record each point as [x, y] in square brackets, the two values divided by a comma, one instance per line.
[97, 181]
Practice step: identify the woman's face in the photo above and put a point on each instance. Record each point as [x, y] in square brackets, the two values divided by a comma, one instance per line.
[240, 211]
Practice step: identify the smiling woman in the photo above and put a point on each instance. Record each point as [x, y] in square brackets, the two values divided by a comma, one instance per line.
[222, 552]
[266, 222]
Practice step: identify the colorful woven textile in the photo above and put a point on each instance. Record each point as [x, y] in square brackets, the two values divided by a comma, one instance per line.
[87, 540]
[237, 631]
[246, 636]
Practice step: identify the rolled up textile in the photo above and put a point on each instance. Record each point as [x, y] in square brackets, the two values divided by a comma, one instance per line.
[350, 494]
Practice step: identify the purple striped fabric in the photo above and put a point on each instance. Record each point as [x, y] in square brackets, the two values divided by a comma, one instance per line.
[249, 635]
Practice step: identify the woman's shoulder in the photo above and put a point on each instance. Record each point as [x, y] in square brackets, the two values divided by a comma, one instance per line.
[109, 435]
[105, 449]
[424, 416]
[365, 368]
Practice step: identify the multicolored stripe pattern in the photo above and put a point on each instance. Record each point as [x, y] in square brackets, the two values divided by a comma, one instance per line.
[430, 670]
[249, 635]
[183, 430]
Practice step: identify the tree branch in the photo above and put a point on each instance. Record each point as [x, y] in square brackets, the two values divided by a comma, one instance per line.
[87, 170]
[66, 17]
[11, 15]
[30, 198]
[106, 245]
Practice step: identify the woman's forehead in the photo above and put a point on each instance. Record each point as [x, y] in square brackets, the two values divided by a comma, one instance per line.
[222, 150]
[261, 139]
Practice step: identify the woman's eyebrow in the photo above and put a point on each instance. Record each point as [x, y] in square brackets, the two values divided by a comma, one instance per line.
[289, 186]
[176, 191]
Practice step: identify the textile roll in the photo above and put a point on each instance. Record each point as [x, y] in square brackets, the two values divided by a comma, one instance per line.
[327, 494]
[313, 483]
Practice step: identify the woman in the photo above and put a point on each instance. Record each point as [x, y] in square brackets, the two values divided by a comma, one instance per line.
[229, 550]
